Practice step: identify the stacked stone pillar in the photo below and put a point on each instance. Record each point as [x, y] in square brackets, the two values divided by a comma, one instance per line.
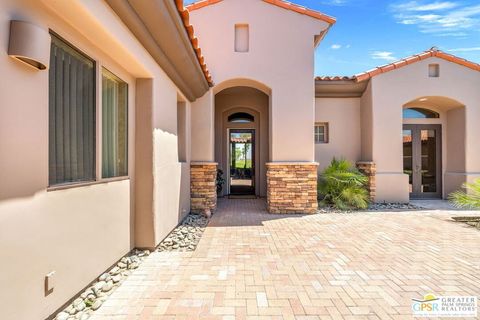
[369, 169]
[292, 187]
[203, 188]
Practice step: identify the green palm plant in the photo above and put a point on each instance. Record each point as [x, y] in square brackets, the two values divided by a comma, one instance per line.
[342, 186]
[469, 198]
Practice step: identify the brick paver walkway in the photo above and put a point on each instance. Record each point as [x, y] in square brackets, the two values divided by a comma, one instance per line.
[250, 264]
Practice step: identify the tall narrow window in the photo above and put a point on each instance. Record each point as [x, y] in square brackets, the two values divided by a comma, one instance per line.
[321, 132]
[114, 126]
[241, 38]
[71, 115]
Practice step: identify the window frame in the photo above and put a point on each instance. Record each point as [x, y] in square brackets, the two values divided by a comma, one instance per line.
[100, 125]
[326, 133]
[98, 66]
[69, 184]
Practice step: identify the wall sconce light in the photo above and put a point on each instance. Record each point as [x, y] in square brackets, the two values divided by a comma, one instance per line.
[30, 44]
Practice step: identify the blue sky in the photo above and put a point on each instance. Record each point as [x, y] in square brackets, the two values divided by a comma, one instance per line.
[370, 33]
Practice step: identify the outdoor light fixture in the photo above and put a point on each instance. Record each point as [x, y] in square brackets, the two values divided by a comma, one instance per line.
[423, 99]
[29, 44]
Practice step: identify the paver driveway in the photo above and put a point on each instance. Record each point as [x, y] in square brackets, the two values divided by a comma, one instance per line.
[250, 264]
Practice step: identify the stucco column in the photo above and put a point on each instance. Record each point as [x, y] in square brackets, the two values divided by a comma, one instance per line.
[203, 128]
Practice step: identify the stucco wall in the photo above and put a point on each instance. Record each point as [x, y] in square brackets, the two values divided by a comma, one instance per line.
[287, 70]
[344, 138]
[80, 231]
[390, 91]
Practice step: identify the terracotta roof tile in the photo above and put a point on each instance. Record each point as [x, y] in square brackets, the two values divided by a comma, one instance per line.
[406, 61]
[415, 58]
[191, 34]
[334, 78]
[279, 3]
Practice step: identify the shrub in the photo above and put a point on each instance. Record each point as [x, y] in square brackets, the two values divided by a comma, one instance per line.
[220, 181]
[468, 198]
[342, 186]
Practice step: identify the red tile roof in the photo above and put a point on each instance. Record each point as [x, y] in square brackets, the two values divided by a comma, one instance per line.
[334, 78]
[434, 52]
[191, 34]
[279, 3]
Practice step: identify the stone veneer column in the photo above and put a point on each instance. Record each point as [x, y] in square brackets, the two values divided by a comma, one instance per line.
[369, 169]
[292, 187]
[203, 187]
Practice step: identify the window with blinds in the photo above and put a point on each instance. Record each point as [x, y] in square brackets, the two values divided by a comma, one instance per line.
[114, 126]
[71, 115]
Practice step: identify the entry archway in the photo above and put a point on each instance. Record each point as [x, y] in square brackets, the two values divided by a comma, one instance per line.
[242, 127]
[434, 145]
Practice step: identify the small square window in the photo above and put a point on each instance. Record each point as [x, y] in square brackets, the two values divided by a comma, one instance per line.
[433, 70]
[241, 38]
[321, 132]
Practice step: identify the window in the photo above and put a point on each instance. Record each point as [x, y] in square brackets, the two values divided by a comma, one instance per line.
[419, 113]
[114, 126]
[321, 132]
[240, 117]
[433, 70]
[71, 115]
[241, 38]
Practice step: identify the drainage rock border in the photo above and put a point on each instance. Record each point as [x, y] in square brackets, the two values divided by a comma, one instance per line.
[93, 297]
[185, 237]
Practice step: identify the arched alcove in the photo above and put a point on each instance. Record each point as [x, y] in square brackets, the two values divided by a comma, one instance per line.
[242, 130]
[434, 155]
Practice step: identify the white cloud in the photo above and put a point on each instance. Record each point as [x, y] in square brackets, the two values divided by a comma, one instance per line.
[465, 49]
[335, 2]
[383, 55]
[335, 46]
[441, 18]
[419, 7]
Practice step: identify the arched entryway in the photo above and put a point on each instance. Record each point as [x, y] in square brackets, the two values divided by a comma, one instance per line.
[433, 146]
[242, 138]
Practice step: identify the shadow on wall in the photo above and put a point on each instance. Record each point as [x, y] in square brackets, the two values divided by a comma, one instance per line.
[171, 183]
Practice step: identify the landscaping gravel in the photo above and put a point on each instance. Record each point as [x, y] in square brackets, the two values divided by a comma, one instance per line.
[186, 236]
[373, 207]
[92, 298]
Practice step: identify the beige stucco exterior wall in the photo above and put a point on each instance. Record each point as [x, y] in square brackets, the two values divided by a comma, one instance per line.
[80, 231]
[344, 139]
[390, 91]
[254, 102]
[281, 57]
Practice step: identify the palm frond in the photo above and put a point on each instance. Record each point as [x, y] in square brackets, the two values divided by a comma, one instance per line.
[469, 198]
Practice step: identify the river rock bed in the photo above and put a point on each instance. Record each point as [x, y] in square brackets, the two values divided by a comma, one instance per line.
[92, 298]
[186, 236]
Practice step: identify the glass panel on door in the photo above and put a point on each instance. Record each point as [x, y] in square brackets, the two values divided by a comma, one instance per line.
[408, 157]
[429, 161]
[422, 159]
[241, 162]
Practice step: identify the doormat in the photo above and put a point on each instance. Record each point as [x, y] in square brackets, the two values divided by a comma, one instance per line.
[239, 196]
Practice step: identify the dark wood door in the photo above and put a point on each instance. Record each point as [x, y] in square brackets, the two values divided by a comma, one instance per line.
[422, 159]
